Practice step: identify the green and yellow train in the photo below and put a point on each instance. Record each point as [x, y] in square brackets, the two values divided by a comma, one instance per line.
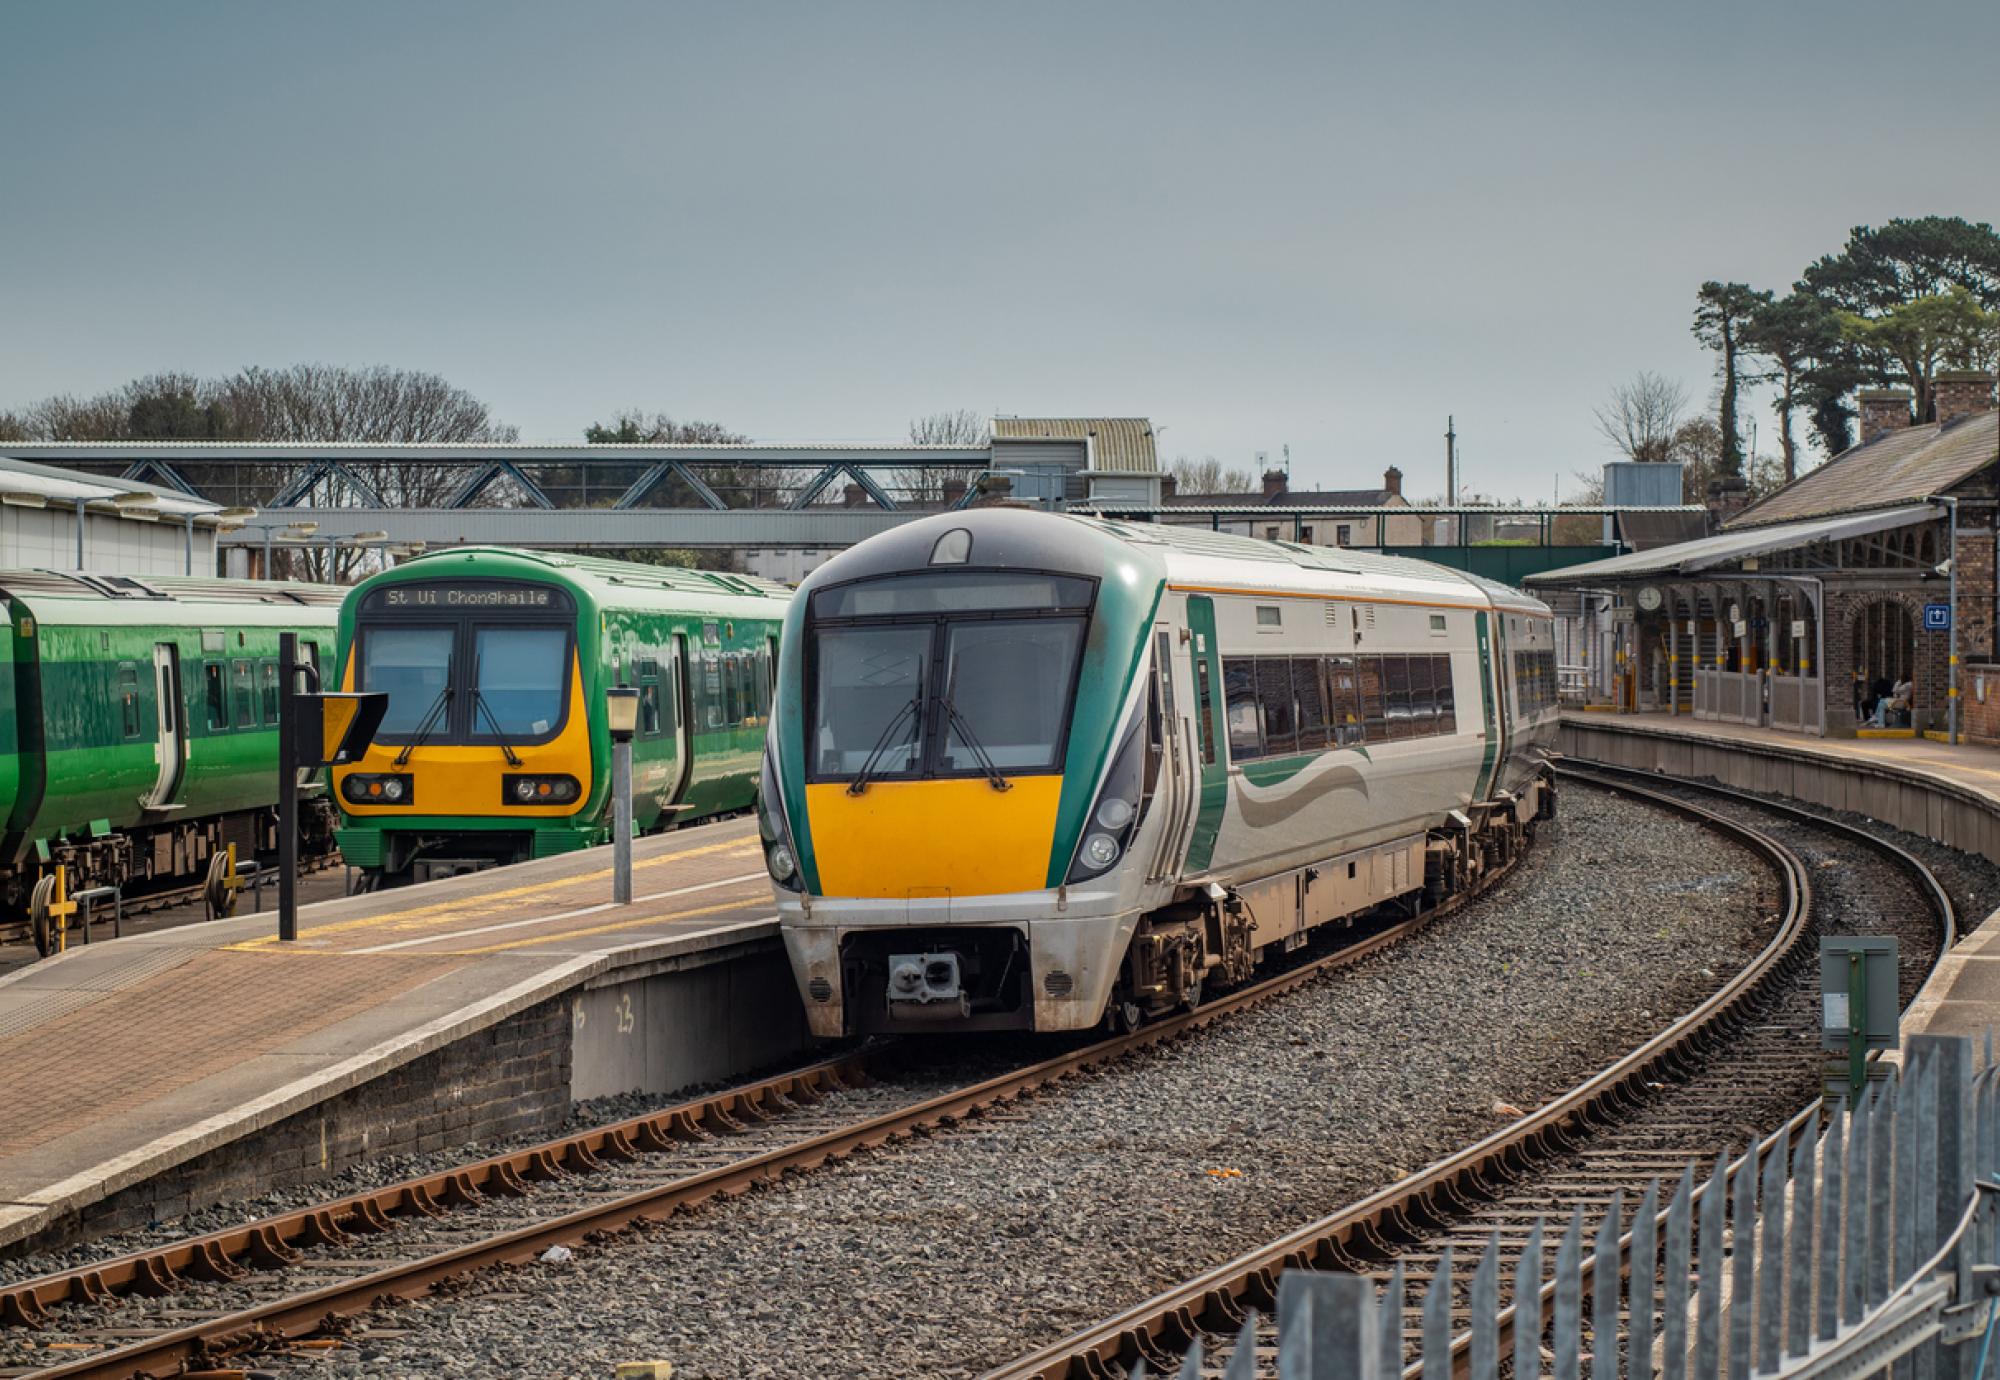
[138, 727]
[495, 749]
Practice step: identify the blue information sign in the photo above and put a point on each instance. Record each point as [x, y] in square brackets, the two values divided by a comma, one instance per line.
[1937, 617]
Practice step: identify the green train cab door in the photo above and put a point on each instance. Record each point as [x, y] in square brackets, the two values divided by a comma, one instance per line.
[1205, 668]
[172, 735]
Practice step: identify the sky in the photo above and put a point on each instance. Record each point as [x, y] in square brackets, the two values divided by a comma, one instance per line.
[1318, 225]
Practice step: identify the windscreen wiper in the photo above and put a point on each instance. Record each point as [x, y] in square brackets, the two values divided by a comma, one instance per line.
[954, 719]
[480, 706]
[912, 711]
[429, 721]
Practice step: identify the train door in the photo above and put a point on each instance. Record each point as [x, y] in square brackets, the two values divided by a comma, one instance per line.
[680, 740]
[1493, 675]
[1212, 772]
[172, 738]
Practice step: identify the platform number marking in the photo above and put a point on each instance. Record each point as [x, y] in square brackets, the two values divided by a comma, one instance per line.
[577, 1007]
[626, 1022]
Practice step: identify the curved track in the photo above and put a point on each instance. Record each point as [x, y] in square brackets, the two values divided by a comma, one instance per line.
[1726, 1064]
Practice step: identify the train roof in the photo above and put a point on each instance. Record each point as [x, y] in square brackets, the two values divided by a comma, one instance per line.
[57, 597]
[608, 581]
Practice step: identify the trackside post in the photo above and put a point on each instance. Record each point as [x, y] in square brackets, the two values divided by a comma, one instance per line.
[315, 729]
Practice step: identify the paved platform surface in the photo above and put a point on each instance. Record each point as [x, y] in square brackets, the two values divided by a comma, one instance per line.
[123, 1058]
[1963, 995]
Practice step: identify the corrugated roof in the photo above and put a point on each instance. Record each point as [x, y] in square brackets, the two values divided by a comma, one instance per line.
[1689, 557]
[1903, 466]
[1116, 443]
[1643, 531]
[68, 486]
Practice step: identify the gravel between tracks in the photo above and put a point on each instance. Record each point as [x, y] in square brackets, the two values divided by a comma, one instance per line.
[921, 1260]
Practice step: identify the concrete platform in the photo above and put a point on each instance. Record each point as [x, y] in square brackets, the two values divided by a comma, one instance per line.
[124, 1059]
[1948, 794]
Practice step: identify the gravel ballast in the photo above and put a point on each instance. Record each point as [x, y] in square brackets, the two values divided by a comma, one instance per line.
[968, 1248]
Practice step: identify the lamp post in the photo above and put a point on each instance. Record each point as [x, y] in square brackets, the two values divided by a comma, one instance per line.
[621, 716]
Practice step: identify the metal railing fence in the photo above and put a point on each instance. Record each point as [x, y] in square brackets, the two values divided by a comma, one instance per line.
[1867, 1248]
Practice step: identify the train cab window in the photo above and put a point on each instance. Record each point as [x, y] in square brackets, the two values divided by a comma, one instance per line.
[218, 694]
[732, 691]
[128, 698]
[647, 671]
[412, 666]
[1274, 696]
[1447, 701]
[519, 676]
[868, 688]
[245, 688]
[1309, 690]
[1396, 697]
[1343, 705]
[1239, 695]
[1368, 688]
[1016, 722]
[267, 672]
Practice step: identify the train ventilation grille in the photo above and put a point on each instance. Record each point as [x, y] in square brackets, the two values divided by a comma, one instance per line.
[819, 989]
[1058, 983]
[1333, 615]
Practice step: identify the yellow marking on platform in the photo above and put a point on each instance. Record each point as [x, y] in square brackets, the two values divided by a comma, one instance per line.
[470, 907]
[557, 916]
[616, 925]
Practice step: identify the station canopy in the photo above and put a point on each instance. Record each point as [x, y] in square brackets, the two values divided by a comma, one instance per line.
[1729, 548]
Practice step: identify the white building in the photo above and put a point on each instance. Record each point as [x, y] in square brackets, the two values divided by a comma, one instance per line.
[53, 519]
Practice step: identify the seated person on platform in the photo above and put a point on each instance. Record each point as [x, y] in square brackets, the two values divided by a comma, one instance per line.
[1873, 697]
[1893, 709]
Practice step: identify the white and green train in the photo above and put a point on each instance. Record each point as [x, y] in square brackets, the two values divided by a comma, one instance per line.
[1033, 772]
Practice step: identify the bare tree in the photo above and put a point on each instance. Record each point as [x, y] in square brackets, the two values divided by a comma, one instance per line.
[1208, 475]
[1642, 416]
[944, 430]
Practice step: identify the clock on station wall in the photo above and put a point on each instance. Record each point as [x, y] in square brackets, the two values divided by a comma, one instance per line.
[1649, 598]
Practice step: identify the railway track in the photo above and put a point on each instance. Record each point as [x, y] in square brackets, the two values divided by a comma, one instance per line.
[263, 1284]
[148, 902]
[1744, 1060]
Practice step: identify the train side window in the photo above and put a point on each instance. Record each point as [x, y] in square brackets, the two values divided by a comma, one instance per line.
[218, 694]
[1204, 710]
[1309, 689]
[732, 691]
[1343, 705]
[1447, 700]
[1239, 697]
[1368, 677]
[246, 700]
[647, 670]
[1281, 715]
[1396, 697]
[267, 675]
[1423, 708]
[128, 697]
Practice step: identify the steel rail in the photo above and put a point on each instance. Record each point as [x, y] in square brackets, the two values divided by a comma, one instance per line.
[1159, 1330]
[274, 1242]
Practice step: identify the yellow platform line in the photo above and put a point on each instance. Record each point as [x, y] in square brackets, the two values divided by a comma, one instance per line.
[560, 915]
[611, 928]
[450, 912]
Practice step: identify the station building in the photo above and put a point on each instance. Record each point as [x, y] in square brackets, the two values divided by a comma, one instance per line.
[1871, 569]
[64, 520]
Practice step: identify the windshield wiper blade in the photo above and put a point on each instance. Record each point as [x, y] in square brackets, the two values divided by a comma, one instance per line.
[428, 723]
[979, 752]
[480, 706]
[912, 711]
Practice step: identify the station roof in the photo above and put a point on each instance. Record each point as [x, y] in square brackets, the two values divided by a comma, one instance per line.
[1903, 466]
[1707, 553]
[25, 482]
[1116, 443]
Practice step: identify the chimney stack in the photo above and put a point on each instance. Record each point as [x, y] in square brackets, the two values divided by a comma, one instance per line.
[1961, 393]
[1169, 486]
[1274, 483]
[853, 496]
[1883, 410]
[954, 490]
[1392, 482]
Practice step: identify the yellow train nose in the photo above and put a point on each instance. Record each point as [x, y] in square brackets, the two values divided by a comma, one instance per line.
[959, 837]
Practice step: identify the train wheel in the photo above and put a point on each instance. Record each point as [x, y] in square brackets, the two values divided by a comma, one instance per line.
[38, 916]
[221, 900]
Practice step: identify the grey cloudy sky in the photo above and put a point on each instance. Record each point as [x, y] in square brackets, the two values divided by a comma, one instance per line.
[1316, 224]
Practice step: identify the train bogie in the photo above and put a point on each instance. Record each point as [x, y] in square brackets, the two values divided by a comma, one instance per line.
[1027, 771]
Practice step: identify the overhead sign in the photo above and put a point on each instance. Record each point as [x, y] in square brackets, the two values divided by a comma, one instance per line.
[335, 729]
[1937, 617]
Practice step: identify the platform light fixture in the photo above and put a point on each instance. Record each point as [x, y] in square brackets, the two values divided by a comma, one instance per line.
[621, 712]
[21, 499]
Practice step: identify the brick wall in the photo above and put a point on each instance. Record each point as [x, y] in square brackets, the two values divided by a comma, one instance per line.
[1961, 393]
[1930, 669]
[512, 1077]
[1883, 410]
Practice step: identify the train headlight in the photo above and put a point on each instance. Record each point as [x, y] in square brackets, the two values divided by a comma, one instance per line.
[781, 862]
[377, 788]
[779, 858]
[540, 790]
[1114, 815]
